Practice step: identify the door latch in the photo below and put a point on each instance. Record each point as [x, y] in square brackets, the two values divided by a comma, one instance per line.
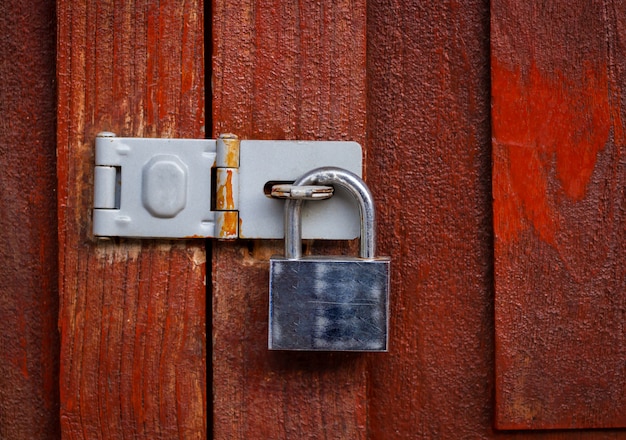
[218, 188]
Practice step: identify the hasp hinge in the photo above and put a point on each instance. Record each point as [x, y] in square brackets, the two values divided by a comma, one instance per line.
[214, 188]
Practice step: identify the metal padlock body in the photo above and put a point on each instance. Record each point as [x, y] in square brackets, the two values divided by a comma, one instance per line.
[329, 303]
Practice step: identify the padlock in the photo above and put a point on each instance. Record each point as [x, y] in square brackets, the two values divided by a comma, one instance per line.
[329, 303]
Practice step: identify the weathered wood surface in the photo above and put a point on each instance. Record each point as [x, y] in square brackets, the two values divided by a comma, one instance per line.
[293, 71]
[428, 167]
[559, 176]
[132, 313]
[29, 341]
[282, 70]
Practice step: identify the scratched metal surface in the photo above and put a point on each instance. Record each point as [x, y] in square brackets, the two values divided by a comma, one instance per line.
[329, 304]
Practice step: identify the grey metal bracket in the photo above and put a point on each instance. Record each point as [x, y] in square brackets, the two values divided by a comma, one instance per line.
[187, 188]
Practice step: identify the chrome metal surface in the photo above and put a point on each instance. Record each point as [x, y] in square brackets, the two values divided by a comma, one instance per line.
[308, 192]
[329, 303]
[349, 182]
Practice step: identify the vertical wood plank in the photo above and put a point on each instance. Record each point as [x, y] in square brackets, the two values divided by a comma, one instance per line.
[282, 70]
[132, 313]
[29, 341]
[559, 213]
[428, 163]
[428, 111]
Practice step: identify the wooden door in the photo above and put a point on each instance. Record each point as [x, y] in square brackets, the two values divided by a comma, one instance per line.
[438, 101]
[501, 322]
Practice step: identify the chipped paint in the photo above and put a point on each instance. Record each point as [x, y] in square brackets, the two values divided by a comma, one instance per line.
[225, 190]
[112, 252]
[228, 151]
[231, 158]
[198, 256]
[227, 224]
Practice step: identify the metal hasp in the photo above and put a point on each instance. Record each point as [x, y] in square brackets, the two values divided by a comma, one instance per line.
[188, 188]
[329, 303]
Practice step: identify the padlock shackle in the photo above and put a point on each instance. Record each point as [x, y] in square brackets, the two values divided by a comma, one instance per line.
[355, 186]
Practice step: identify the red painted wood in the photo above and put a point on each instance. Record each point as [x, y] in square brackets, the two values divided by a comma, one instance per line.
[132, 313]
[282, 70]
[429, 163]
[29, 341]
[286, 70]
[428, 167]
[559, 213]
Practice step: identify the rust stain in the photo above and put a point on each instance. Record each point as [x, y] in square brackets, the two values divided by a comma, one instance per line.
[232, 152]
[232, 143]
[548, 130]
[228, 224]
[225, 199]
[232, 158]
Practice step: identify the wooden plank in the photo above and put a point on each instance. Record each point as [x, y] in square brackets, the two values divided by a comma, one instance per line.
[558, 74]
[282, 70]
[132, 313]
[428, 166]
[29, 341]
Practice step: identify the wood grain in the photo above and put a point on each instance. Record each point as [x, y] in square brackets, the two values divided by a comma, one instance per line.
[559, 213]
[29, 341]
[428, 167]
[282, 70]
[132, 313]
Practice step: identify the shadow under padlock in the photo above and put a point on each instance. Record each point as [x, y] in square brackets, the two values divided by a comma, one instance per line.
[329, 303]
